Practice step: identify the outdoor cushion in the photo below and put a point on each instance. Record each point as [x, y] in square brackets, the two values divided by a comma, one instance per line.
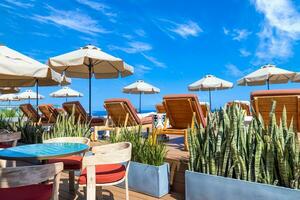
[105, 174]
[4, 145]
[70, 162]
[30, 192]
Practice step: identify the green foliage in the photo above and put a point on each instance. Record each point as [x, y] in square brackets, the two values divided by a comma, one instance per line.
[30, 132]
[258, 152]
[143, 149]
[67, 126]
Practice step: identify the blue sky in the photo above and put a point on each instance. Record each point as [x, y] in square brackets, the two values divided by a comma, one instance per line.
[170, 43]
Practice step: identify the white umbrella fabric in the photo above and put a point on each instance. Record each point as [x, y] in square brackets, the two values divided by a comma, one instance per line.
[66, 92]
[9, 98]
[9, 90]
[210, 83]
[18, 70]
[267, 74]
[29, 94]
[140, 87]
[87, 62]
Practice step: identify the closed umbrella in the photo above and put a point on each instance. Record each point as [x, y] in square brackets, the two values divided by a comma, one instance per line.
[9, 90]
[18, 70]
[66, 92]
[267, 74]
[87, 62]
[9, 98]
[29, 94]
[140, 87]
[209, 83]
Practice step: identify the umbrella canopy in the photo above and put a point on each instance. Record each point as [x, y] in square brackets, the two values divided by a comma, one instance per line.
[90, 61]
[209, 83]
[66, 92]
[65, 80]
[140, 87]
[9, 90]
[9, 97]
[267, 74]
[29, 94]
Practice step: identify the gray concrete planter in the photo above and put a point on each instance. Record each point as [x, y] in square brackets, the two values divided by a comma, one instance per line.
[149, 179]
[209, 187]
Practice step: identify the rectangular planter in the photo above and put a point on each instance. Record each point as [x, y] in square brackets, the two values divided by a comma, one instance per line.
[210, 187]
[149, 179]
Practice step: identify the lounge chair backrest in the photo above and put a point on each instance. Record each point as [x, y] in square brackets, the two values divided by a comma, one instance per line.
[30, 112]
[118, 109]
[205, 109]
[244, 106]
[262, 102]
[160, 108]
[79, 111]
[49, 112]
[181, 108]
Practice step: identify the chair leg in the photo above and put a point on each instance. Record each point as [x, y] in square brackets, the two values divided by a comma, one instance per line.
[13, 163]
[91, 183]
[3, 163]
[154, 136]
[72, 181]
[186, 146]
[100, 193]
[126, 188]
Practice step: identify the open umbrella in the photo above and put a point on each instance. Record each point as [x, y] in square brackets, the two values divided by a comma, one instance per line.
[65, 80]
[66, 92]
[209, 83]
[29, 94]
[9, 90]
[9, 98]
[18, 70]
[140, 87]
[267, 74]
[87, 62]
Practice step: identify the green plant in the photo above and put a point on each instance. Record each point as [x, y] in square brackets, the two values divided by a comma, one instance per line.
[67, 126]
[30, 132]
[260, 153]
[143, 149]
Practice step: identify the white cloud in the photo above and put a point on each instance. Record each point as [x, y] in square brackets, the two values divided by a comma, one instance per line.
[233, 70]
[280, 29]
[184, 30]
[140, 70]
[133, 47]
[154, 61]
[140, 32]
[244, 53]
[71, 19]
[98, 6]
[19, 4]
[237, 34]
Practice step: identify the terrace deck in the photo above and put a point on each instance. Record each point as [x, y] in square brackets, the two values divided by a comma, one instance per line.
[175, 156]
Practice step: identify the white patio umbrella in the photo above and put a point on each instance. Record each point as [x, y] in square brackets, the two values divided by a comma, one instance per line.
[267, 74]
[29, 94]
[65, 80]
[140, 87]
[66, 92]
[209, 83]
[90, 61]
[9, 90]
[18, 70]
[9, 98]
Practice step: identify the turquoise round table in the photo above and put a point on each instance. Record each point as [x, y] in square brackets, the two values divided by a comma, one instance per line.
[42, 151]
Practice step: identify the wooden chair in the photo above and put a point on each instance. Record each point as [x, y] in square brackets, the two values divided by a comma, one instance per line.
[108, 166]
[32, 114]
[181, 110]
[160, 108]
[8, 139]
[290, 98]
[75, 107]
[18, 183]
[205, 108]
[245, 105]
[49, 112]
[123, 114]
[71, 163]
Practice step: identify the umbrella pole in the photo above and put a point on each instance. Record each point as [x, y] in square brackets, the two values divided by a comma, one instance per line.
[268, 84]
[140, 102]
[209, 99]
[37, 93]
[90, 88]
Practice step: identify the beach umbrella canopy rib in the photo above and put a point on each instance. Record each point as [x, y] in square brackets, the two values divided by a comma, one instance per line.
[267, 74]
[90, 61]
[140, 87]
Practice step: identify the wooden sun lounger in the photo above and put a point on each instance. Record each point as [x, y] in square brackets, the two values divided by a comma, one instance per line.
[262, 102]
[205, 108]
[245, 106]
[160, 108]
[181, 111]
[50, 113]
[32, 114]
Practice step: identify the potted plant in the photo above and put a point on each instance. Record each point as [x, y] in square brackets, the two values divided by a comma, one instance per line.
[231, 161]
[148, 173]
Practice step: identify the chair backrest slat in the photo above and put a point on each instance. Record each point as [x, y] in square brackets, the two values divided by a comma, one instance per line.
[49, 112]
[79, 111]
[30, 112]
[160, 108]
